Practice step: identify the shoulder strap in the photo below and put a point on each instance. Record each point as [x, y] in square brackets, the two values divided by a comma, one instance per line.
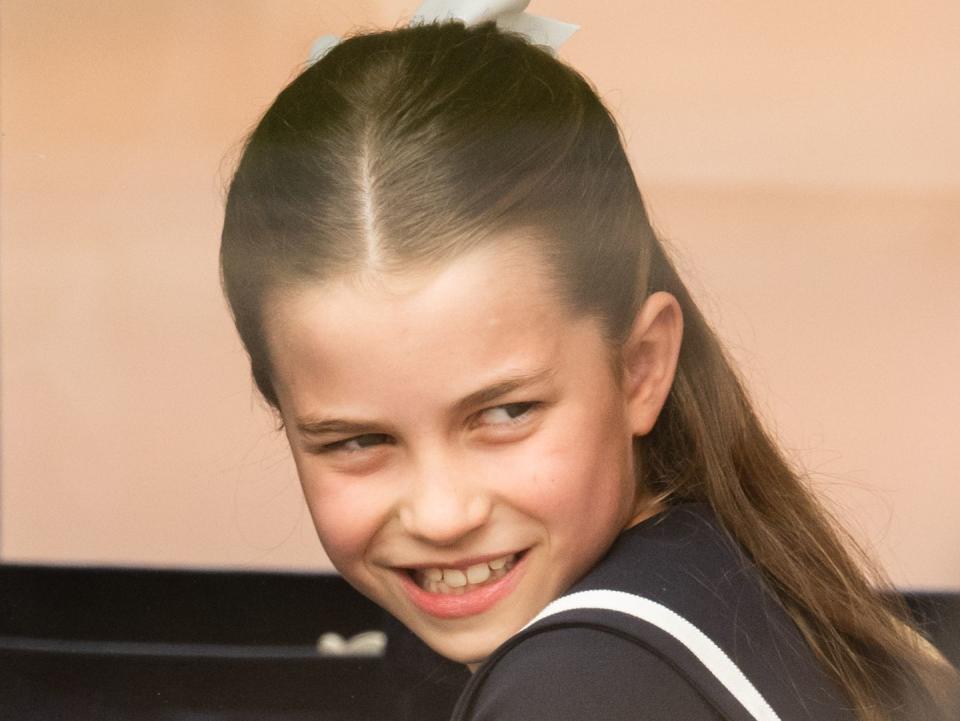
[718, 663]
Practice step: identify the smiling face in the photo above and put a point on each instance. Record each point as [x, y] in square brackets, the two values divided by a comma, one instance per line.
[463, 444]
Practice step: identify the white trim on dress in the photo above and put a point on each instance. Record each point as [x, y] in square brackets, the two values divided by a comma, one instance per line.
[701, 645]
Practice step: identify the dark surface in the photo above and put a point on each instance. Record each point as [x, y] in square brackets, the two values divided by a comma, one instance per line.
[217, 607]
[177, 645]
[120, 643]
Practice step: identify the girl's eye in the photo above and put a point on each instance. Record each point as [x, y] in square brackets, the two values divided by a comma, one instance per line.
[357, 443]
[506, 414]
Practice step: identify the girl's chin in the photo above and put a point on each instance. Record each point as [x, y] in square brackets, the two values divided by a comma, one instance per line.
[467, 649]
[469, 640]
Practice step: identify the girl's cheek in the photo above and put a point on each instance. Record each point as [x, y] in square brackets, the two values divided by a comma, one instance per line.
[536, 480]
[347, 519]
[581, 474]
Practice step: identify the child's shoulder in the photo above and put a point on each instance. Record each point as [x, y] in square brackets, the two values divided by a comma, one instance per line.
[583, 672]
[675, 613]
[681, 555]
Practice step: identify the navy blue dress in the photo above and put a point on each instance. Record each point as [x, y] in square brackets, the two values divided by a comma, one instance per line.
[674, 623]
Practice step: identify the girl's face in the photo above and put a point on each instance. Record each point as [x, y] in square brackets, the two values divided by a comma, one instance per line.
[463, 444]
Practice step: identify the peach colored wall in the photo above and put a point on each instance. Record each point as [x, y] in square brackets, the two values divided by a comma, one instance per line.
[801, 158]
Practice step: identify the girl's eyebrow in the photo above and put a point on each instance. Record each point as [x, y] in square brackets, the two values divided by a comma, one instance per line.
[312, 426]
[316, 427]
[501, 388]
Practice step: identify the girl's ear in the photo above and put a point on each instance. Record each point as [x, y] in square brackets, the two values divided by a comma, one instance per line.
[649, 358]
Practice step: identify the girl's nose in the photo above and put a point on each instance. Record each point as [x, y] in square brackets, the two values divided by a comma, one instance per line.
[442, 508]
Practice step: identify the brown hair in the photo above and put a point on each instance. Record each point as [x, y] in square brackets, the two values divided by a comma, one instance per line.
[410, 146]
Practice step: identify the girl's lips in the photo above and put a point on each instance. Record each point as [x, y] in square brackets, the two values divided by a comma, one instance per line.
[469, 603]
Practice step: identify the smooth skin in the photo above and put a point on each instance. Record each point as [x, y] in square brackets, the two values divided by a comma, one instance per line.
[463, 412]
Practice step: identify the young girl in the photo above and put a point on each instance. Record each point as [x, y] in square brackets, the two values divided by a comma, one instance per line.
[513, 427]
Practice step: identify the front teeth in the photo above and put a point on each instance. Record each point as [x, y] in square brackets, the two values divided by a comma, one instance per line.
[479, 573]
[456, 581]
[454, 578]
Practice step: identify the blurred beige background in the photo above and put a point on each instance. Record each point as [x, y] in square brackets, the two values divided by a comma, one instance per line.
[802, 159]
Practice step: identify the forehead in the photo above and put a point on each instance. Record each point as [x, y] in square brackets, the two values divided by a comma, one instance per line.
[494, 310]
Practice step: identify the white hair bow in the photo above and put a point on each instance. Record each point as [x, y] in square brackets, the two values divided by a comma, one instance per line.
[508, 14]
